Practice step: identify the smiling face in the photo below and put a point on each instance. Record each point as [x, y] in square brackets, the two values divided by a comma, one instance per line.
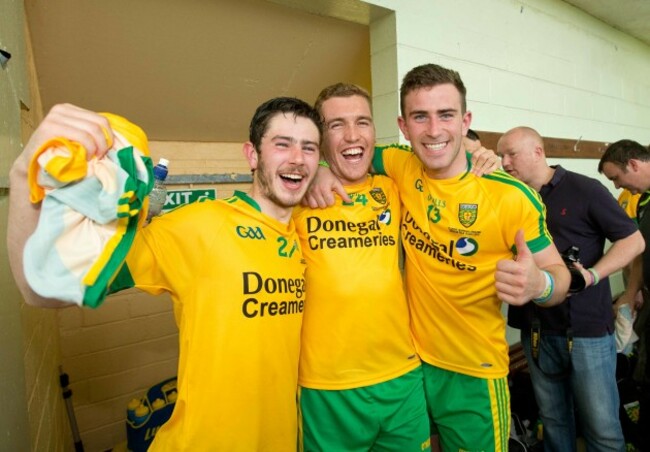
[349, 137]
[434, 123]
[284, 164]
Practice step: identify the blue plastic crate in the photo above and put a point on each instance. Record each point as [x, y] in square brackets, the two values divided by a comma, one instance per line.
[146, 415]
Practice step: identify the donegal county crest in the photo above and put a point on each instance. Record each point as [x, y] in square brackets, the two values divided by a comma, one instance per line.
[378, 195]
[467, 214]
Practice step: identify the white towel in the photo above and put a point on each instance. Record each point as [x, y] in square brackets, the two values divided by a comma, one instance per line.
[89, 214]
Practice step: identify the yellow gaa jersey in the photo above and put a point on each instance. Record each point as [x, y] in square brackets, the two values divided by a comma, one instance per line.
[454, 232]
[236, 277]
[629, 203]
[356, 321]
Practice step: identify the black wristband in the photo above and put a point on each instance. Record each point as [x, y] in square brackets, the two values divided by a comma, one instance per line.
[578, 282]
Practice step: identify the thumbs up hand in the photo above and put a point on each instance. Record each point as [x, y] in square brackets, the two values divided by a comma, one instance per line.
[520, 280]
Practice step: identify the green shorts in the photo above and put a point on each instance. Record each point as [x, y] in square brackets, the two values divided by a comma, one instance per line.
[389, 416]
[468, 413]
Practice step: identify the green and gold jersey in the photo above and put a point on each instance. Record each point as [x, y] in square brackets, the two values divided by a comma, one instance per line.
[236, 277]
[356, 321]
[629, 202]
[454, 232]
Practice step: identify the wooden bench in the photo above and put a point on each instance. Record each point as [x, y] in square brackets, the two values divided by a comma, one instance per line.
[518, 361]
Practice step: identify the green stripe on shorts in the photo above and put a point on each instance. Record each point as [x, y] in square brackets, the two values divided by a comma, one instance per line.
[468, 413]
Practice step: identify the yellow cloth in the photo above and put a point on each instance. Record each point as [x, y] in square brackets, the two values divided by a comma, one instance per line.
[236, 277]
[454, 231]
[629, 202]
[89, 213]
[356, 321]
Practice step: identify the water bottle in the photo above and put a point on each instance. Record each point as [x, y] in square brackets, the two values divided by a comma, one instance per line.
[137, 413]
[158, 195]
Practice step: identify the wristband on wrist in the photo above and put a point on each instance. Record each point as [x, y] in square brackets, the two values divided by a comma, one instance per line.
[324, 164]
[594, 274]
[548, 289]
[589, 279]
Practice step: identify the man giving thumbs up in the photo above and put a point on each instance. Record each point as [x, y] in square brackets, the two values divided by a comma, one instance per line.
[460, 232]
[521, 280]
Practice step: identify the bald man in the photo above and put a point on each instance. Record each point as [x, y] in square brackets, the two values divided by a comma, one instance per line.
[575, 363]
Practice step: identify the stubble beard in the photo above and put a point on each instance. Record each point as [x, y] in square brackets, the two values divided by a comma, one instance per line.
[265, 181]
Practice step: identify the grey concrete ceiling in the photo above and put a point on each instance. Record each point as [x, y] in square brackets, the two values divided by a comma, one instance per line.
[190, 70]
[194, 70]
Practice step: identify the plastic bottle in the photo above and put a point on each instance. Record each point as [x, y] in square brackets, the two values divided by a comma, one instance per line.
[158, 195]
[158, 404]
[137, 412]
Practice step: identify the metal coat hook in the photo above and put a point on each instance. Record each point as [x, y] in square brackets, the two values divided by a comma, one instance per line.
[576, 146]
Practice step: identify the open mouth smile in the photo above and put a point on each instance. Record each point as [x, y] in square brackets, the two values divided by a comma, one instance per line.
[354, 153]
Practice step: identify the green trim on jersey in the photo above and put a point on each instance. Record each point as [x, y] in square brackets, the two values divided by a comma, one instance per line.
[378, 161]
[237, 280]
[468, 156]
[532, 195]
[454, 232]
[629, 203]
[122, 281]
[544, 240]
[247, 199]
[129, 216]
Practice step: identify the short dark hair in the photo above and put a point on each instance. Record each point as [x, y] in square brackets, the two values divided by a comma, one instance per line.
[472, 135]
[340, 90]
[621, 152]
[429, 75]
[269, 109]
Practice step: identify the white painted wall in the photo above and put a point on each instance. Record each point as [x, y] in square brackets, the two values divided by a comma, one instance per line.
[541, 63]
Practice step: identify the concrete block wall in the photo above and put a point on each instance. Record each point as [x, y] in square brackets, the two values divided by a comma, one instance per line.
[113, 354]
[203, 158]
[33, 411]
[48, 421]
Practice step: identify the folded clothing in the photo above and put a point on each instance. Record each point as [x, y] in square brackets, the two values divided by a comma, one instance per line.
[90, 212]
[624, 331]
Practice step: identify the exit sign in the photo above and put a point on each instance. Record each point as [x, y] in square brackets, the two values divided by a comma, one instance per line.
[176, 198]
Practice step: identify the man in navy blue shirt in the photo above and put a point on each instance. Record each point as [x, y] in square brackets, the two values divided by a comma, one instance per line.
[627, 164]
[573, 367]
